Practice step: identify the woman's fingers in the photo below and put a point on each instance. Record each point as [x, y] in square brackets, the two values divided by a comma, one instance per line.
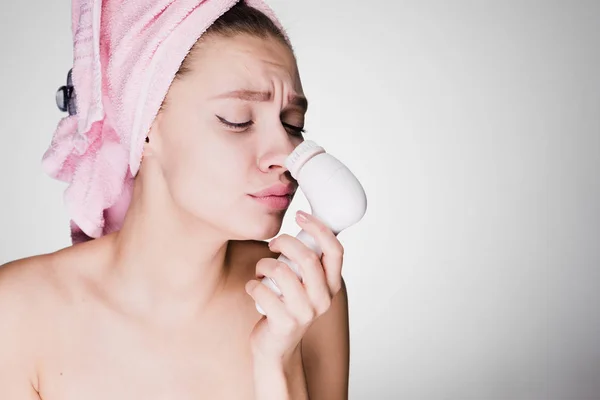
[333, 252]
[310, 268]
[293, 292]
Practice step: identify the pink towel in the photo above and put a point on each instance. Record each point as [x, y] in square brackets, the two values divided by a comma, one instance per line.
[125, 56]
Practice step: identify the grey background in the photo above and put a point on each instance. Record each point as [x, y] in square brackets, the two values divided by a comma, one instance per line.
[475, 129]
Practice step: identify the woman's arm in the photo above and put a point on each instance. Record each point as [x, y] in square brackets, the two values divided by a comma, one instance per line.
[326, 351]
[280, 380]
[320, 366]
[313, 319]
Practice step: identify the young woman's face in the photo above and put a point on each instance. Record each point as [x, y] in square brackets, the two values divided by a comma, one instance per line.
[210, 166]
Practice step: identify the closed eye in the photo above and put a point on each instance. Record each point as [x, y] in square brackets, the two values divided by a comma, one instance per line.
[235, 125]
[296, 130]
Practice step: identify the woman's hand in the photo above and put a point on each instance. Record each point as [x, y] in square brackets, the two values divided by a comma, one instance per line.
[276, 335]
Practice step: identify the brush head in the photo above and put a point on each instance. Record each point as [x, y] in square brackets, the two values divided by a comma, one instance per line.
[301, 154]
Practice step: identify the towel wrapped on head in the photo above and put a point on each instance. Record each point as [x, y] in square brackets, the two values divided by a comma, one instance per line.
[125, 56]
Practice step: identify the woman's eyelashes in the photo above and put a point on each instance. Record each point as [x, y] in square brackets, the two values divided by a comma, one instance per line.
[296, 130]
[235, 125]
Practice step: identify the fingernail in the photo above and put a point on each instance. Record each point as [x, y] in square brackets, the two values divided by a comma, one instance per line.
[302, 216]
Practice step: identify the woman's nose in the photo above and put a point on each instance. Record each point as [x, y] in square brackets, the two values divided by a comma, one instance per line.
[276, 152]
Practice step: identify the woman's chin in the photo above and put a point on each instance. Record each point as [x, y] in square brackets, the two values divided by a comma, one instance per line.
[263, 228]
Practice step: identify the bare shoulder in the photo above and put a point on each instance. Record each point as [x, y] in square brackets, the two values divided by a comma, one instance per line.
[21, 282]
[34, 289]
[326, 351]
[27, 291]
[29, 288]
[27, 281]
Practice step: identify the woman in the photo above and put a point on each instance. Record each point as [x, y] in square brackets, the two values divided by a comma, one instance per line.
[165, 306]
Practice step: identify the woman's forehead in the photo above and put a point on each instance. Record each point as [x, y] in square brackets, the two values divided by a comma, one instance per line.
[246, 59]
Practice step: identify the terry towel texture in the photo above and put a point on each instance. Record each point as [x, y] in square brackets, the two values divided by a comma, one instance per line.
[125, 55]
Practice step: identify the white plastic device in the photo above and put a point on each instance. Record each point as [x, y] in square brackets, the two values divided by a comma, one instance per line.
[335, 196]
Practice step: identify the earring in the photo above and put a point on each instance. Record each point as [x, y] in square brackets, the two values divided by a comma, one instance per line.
[144, 151]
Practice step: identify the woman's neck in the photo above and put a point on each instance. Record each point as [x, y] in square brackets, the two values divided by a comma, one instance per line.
[165, 263]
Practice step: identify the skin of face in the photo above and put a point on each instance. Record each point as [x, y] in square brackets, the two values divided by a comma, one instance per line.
[209, 168]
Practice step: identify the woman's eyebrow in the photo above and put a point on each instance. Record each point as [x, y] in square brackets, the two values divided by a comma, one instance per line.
[252, 95]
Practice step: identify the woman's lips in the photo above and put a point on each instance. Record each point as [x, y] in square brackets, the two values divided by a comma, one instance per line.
[276, 202]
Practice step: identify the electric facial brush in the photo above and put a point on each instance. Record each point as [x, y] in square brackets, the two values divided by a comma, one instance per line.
[335, 196]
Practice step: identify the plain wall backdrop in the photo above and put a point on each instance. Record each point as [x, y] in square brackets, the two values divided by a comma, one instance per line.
[474, 127]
